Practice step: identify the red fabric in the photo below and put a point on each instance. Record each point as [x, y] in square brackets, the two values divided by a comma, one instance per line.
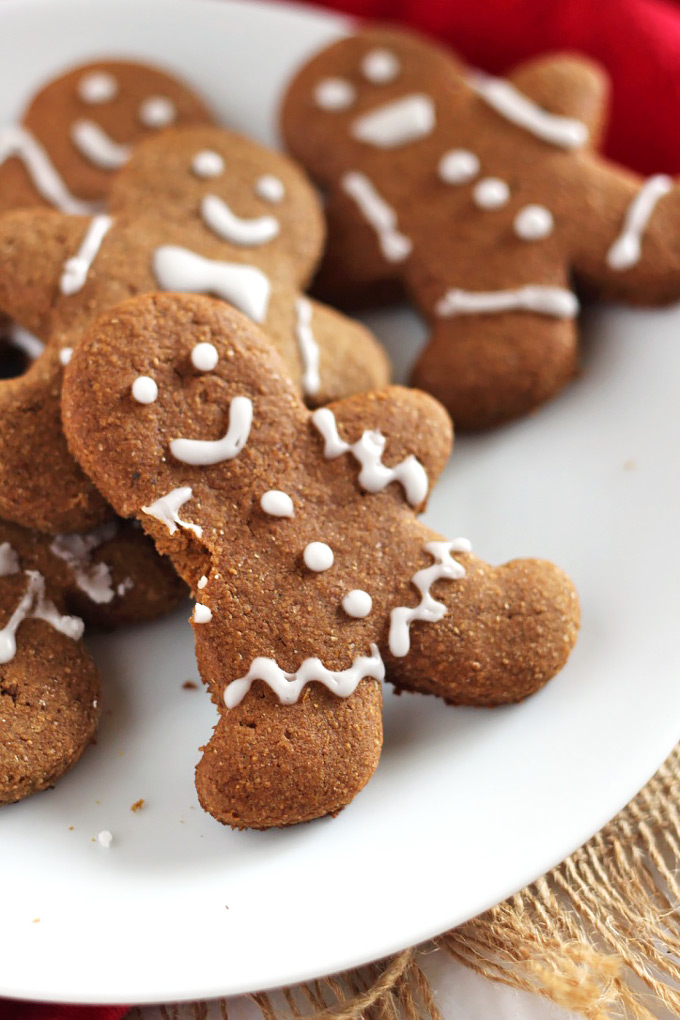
[12, 1010]
[638, 41]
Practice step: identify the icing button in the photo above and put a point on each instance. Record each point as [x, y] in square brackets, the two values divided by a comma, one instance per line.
[318, 556]
[491, 193]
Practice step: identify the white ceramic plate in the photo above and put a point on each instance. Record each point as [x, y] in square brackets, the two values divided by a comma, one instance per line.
[467, 806]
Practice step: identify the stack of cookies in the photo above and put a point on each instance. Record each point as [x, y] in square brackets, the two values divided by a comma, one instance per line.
[188, 416]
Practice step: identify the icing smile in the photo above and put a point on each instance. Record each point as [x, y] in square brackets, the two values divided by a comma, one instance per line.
[219, 218]
[95, 145]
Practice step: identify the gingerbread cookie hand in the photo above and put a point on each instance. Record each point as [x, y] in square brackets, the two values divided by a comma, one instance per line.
[305, 520]
[483, 199]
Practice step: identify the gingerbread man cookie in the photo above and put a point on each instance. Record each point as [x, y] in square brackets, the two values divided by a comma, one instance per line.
[199, 210]
[306, 522]
[485, 200]
[81, 127]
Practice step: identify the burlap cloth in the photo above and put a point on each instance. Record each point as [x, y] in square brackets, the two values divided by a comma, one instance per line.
[598, 935]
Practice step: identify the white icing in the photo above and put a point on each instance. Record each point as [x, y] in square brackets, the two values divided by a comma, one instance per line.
[397, 123]
[510, 103]
[76, 551]
[380, 66]
[277, 503]
[98, 148]
[202, 614]
[125, 586]
[204, 357]
[246, 287]
[553, 301]
[207, 163]
[65, 355]
[202, 582]
[29, 344]
[166, 509]
[16, 141]
[318, 556]
[288, 686]
[394, 245]
[270, 188]
[334, 94]
[34, 604]
[213, 451]
[157, 112]
[105, 838]
[357, 603]
[9, 560]
[308, 347]
[458, 166]
[252, 233]
[626, 250]
[97, 87]
[145, 389]
[74, 273]
[533, 223]
[374, 475]
[490, 193]
[428, 609]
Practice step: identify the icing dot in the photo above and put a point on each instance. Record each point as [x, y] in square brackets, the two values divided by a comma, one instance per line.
[157, 112]
[207, 163]
[144, 389]
[277, 504]
[357, 603]
[491, 193]
[458, 166]
[202, 614]
[105, 838]
[533, 223]
[380, 66]
[202, 582]
[97, 87]
[204, 357]
[269, 188]
[334, 94]
[318, 556]
[65, 355]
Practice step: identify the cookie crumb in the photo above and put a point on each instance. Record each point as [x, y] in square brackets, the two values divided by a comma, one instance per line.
[629, 465]
[36, 920]
[138, 805]
[189, 685]
[105, 839]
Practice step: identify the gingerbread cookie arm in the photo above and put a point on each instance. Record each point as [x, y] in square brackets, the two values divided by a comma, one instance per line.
[480, 635]
[626, 235]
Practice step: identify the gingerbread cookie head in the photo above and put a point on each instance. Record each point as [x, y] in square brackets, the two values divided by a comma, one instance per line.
[82, 127]
[49, 686]
[483, 198]
[169, 227]
[306, 520]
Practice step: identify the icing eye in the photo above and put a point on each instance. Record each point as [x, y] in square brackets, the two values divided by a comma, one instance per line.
[144, 389]
[318, 556]
[458, 166]
[380, 66]
[335, 94]
[491, 193]
[157, 112]
[277, 503]
[207, 163]
[269, 188]
[533, 223]
[97, 87]
[357, 603]
[204, 357]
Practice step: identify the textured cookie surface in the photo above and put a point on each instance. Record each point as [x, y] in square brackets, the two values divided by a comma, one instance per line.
[485, 201]
[297, 534]
[196, 209]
